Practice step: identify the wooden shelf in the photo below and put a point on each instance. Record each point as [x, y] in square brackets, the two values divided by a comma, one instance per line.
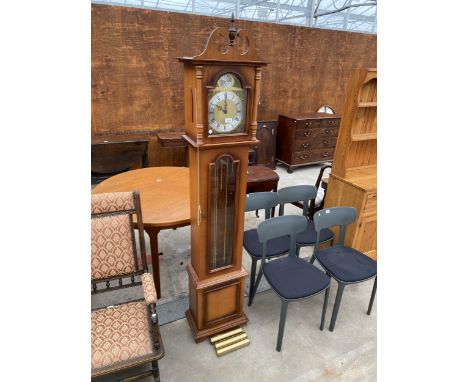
[363, 137]
[367, 104]
[353, 178]
[356, 143]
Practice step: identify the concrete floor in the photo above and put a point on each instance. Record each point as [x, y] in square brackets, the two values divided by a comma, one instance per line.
[308, 354]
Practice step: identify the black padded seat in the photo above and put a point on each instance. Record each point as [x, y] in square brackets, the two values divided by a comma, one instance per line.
[347, 264]
[292, 277]
[309, 236]
[275, 247]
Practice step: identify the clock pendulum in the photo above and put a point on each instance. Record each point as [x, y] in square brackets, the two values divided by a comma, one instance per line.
[221, 94]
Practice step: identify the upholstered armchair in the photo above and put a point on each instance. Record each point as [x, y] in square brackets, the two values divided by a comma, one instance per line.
[126, 335]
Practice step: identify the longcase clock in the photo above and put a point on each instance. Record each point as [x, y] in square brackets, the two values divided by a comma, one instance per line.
[221, 94]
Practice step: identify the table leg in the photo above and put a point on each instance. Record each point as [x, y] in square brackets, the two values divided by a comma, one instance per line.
[153, 235]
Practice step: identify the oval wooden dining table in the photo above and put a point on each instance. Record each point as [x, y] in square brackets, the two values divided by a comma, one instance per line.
[165, 202]
[165, 198]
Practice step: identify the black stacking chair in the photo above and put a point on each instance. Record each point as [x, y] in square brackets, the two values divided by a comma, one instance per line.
[345, 264]
[277, 247]
[291, 277]
[304, 194]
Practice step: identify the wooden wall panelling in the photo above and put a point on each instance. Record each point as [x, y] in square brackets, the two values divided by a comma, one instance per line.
[137, 83]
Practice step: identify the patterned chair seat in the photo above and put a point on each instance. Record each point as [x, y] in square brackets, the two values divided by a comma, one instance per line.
[120, 334]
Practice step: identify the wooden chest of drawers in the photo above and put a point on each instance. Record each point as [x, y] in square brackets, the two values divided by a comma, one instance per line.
[306, 139]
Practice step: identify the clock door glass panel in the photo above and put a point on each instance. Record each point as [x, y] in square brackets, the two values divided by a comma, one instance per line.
[222, 199]
[227, 106]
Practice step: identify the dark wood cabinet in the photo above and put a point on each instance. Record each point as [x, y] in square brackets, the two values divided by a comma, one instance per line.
[306, 139]
[266, 147]
[113, 154]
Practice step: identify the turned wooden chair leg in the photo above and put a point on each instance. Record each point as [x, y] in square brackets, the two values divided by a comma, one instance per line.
[155, 371]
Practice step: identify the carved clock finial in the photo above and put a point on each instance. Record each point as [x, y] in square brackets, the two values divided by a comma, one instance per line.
[232, 31]
[229, 44]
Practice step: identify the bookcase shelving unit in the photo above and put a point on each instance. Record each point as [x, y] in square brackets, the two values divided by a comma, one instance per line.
[353, 179]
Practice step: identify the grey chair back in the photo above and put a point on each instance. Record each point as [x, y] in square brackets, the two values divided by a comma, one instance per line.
[330, 217]
[261, 201]
[301, 193]
[272, 228]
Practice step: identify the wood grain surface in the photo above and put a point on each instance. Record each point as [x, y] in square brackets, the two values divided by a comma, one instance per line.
[137, 82]
[164, 192]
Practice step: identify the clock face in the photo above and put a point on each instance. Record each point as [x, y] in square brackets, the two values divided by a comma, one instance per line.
[225, 112]
[227, 106]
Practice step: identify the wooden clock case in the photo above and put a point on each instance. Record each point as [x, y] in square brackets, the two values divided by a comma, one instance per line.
[216, 292]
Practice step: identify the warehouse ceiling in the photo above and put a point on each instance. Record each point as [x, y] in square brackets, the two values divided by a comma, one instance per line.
[349, 15]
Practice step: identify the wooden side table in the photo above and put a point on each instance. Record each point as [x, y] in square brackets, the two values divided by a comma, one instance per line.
[174, 139]
[262, 179]
[113, 154]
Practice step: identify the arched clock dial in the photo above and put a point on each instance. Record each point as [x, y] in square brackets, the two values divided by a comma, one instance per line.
[227, 106]
[225, 112]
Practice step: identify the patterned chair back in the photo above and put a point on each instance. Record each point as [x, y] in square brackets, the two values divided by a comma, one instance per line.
[113, 244]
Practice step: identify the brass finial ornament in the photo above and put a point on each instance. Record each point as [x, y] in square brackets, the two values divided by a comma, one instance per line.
[232, 31]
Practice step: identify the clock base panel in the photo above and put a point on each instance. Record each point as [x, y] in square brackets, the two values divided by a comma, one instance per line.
[201, 335]
[217, 304]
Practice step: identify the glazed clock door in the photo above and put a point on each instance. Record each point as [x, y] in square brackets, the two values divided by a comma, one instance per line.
[227, 106]
[223, 175]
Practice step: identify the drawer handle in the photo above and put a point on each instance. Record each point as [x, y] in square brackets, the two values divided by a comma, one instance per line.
[326, 141]
[330, 122]
[308, 123]
[305, 145]
[325, 154]
[304, 156]
[306, 133]
[327, 131]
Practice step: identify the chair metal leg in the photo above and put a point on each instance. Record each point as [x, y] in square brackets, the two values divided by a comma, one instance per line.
[298, 249]
[371, 302]
[284, 310]
[336, 307]
[312, 259]
[253, 270]
[324, 309]
[259, 277]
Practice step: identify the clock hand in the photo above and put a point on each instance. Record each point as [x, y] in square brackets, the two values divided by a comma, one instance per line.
[225, 103]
